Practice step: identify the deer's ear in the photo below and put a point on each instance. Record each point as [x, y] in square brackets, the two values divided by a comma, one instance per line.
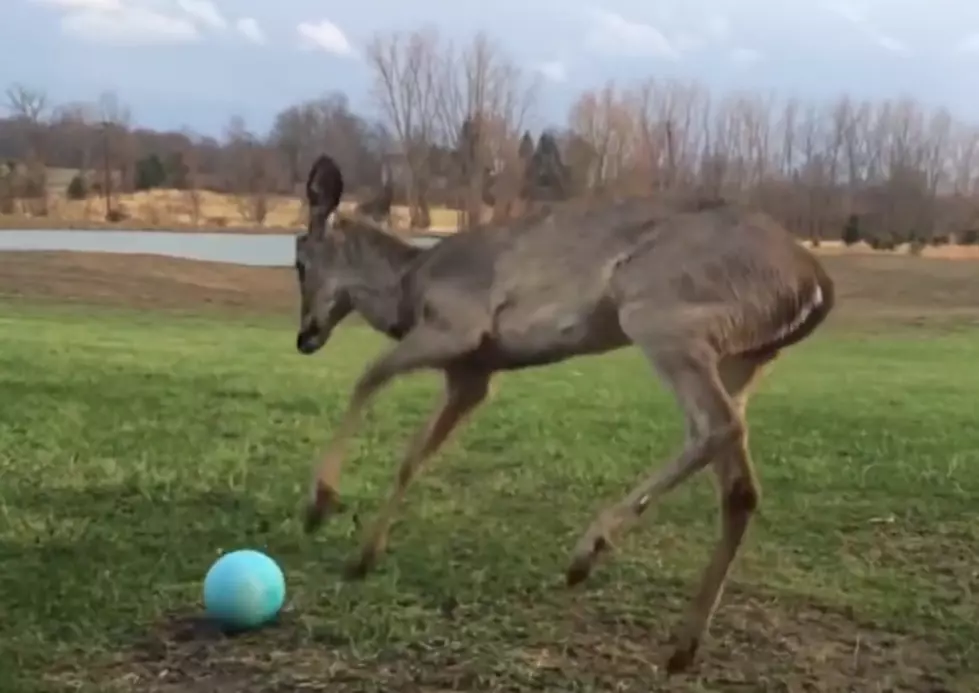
[324, 186]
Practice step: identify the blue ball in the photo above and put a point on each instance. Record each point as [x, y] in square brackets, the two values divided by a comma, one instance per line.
[244, 589]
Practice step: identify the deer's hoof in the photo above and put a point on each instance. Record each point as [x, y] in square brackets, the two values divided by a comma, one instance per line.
[579, 570]
[358, 568]
[326, 502]
[684, 654]
[583, 560]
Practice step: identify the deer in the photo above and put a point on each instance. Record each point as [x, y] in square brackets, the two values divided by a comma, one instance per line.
[710, 294]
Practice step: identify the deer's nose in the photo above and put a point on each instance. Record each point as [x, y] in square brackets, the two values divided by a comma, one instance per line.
[307, 341]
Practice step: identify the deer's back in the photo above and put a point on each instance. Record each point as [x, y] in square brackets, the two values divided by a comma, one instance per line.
[557, 287]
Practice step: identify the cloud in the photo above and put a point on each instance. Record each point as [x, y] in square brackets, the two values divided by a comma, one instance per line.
[745, 56]
[326, 36]
[251, 30]
[132, 22]
[890, 43]
[204, 12]
[128, 26]
[613, 34]
[554, 70]
[857, 16]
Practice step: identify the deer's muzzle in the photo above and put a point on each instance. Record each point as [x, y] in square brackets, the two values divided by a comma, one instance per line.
[311, 338]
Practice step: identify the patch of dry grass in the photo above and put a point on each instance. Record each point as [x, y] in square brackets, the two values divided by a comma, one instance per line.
[941, 252]
[174, 209]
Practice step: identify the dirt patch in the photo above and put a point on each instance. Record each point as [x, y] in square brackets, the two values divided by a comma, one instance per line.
[756, 645]
[903, 289]
[145, 281]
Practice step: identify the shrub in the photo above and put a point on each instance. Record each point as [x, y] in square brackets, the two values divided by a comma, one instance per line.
[116, 214]
[969, 237]
[851, 230]
[77, 188]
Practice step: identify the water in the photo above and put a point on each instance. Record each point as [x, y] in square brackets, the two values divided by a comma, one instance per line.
[263, 250]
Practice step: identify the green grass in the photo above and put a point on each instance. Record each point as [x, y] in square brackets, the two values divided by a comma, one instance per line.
[135, 448]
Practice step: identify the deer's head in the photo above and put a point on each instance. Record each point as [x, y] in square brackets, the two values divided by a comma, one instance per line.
[320, 261]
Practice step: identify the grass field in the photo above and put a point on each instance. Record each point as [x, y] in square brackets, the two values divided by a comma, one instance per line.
[154, 414]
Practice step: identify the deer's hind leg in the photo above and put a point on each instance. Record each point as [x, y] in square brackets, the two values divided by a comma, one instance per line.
[714, 425]
[739, 497]
[712, 392]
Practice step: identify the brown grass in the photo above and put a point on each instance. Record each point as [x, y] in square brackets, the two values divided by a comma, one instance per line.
[172, 209]
[144, 281]
[942, 252]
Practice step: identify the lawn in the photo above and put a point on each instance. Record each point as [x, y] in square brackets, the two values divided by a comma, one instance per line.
[136, 447]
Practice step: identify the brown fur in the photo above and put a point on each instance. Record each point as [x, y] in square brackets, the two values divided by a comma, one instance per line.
[709, 292]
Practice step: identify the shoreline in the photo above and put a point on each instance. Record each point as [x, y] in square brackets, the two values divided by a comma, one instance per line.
[25, 223]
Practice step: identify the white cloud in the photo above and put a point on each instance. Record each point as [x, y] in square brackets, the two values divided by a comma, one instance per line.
[554, 70]
[857, 16]
[203, 11]
[889, 43]
[614, 34]
[127, 26]
[745, 56]
[852, 13]
[135, 22]
[326, 36]
[251, 30]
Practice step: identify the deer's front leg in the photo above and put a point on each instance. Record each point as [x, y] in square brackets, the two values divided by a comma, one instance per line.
[421, 348]
[464, 391]
[324, 498]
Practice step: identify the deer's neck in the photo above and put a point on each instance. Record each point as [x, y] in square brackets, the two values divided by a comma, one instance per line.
[379, 294]
[382, 306]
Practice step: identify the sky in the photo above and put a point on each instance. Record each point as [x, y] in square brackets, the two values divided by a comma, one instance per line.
[196, 63]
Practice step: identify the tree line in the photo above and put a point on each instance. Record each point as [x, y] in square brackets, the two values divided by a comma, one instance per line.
[452, 128]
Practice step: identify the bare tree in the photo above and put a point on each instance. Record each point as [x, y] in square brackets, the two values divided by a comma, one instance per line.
[28, 108]
[607, 120]
[327, 124]
[73, 126]
[405, 67]
[190, 160]
[250, 171]
[115, 120]
[482, 102]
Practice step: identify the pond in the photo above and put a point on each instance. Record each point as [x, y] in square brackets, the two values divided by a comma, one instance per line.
[269, 250]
